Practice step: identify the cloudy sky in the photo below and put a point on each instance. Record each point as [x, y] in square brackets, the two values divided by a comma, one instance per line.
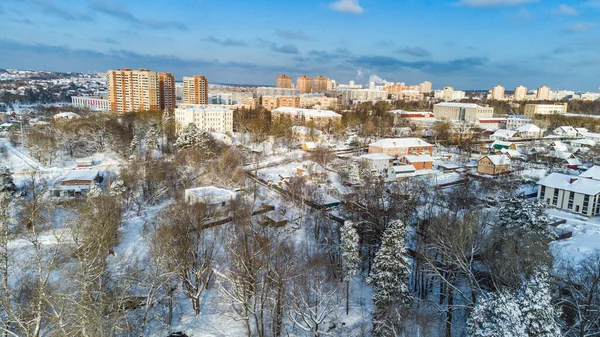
[469, 44]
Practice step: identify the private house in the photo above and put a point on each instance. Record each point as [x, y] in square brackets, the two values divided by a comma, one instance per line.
[592, 173]
[565, 132]
[397, 172]
[583, 143]
[424, 162]
[9, 126]
[396, 147]
[505, 135]
[376, 162]
[490, 124]
[502, 145]
[493, 164]
[309, 146]
[66, 115]
[530, 131]
[213, 198]
[571, 193]
[77, 183]
[512, 154]
[312, 170]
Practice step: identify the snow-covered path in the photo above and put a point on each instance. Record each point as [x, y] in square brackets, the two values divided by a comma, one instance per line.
[17, 160]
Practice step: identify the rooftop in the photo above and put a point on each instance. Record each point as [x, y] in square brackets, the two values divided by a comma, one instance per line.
[399, 142]
[202, 108]
[592, 173]
[81, 175]
[307, 112]
[210, 194]
[418, 159]
[377, 156]
[498, 159]
[571, 183]
[458, 105]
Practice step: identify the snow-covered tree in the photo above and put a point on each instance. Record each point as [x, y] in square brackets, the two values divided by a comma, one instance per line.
[350, 255]
[519, 215]
[152, 137]
[191, 137]
[496, 315]
[117, 188]
[95, 191]
[7, 183]
[389, 278]
[539, 315]
[135, 144]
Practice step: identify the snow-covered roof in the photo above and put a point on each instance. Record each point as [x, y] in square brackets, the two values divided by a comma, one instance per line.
[592, 173]
[68, 115]
[376, 156]
[491, 120]
[403, 168]
[203, 108]
[412, 113]
[498, 159]
[211, 194]
[529, 128]
[458, 105]
[399, 142]
[587, 142]
[448, 166]
[571, 183]
[311, 145]
[307, 112]
[561, 154]
[574, 161]
[511, 153]
[581, 130]
[303, 130]
[502, 143]
[81, 175]
[418, 159]
[565, 130]
[505, 133]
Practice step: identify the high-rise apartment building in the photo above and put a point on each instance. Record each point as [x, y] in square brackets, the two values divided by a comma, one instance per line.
[448, 93]
[319, 84]
[195, 90]
[140, 90]
[425, 87]
[283, 81]
[543, 93]
[303, 84]
[497, 92]
[520, 93]
[166, 88]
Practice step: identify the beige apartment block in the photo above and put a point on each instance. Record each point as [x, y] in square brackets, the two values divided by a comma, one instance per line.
[133, 90]
[283, 81]
[195, 90]
[497, 92]
[543, 93]
[303, 84]
[520, 93]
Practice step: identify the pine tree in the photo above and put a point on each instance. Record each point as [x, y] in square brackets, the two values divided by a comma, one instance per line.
[389, 278]
[152, 136]
[350, 255]
[187, 137]
[525, 216]
[538, 313]
[496, 315]
[7, 183]
[95, 191]
[117, 188]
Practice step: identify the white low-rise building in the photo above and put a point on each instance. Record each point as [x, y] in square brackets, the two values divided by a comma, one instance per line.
[503, 134]
[530, 131]
[92, 103]
[572, 193]
[303, 116]
[215, 199]
[565, 131]
[210, 118]
[461, 111]
[376, 162]
[515, 123]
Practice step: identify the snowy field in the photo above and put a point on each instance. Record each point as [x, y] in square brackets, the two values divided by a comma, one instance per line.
[586, 235]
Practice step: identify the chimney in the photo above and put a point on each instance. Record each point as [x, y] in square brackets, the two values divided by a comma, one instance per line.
[572, 180]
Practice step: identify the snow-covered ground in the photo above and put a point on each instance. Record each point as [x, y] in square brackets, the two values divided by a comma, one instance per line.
[586, 235]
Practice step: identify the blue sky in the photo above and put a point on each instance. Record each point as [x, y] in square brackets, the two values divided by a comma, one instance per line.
[469, 44]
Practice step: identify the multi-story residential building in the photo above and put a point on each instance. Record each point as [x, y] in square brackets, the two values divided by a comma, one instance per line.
[303, 84]
[360, 95]
[515, 123]
[448, 93]
[303, 116]
[396, 147]
[461, 111]
[543, 93]
[577, 194]
[289, 101]
[90, 102]
[497, 92]
[544, 109]
[425, 87]
[208, 118]
[520, 93]
[133, 90]
[166, 87]
[270, 102]
[270, 91]
[319, 84]
[311, 101]
[248, 102]
[195, 90]
[283, 81]
[227, 98]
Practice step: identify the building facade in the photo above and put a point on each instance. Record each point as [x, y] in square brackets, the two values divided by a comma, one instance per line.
[166, 87]
[283, 81]
[520, 93]
[572, 193]
[303, 84]
[497, 92]
[543, 93]
[90, 102]
[425, 87]
[493, 164]
[133, 90]
[303, 116]
[544, 109]
[195, 90]
[397, 147]
[461, 111]
[207, 118]
[319, 84]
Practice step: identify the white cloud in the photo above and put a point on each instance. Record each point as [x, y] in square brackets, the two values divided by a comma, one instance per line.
[492, 3]
[566, 10]
[348, 6]
[580, 27]
[592, 3]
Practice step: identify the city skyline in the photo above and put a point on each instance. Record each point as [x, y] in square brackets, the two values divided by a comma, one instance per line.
[467, 44]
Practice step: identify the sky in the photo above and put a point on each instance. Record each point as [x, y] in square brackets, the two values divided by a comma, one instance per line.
[467, 44]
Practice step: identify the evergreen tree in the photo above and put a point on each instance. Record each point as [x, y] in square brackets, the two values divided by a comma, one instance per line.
[95, 191]
[135, 144]
[350, 255]
[524, 216]
[7, 183]
[117, 188]
[152, 137]
[188, 137]
[389, 278]
[496, 315]
[538, 313]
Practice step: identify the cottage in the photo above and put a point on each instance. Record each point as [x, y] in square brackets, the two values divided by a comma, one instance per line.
[512, 154]
[572, 193]
[77, 183]
[309, 146]
[592, 173]
[502, 145]
[376, 162]
[565, 132]
[424, 162]
[215, 199]
[505, 134]
[530, 131]
[493, 164]
[400, 171]
[312, 170]
[396, 147]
